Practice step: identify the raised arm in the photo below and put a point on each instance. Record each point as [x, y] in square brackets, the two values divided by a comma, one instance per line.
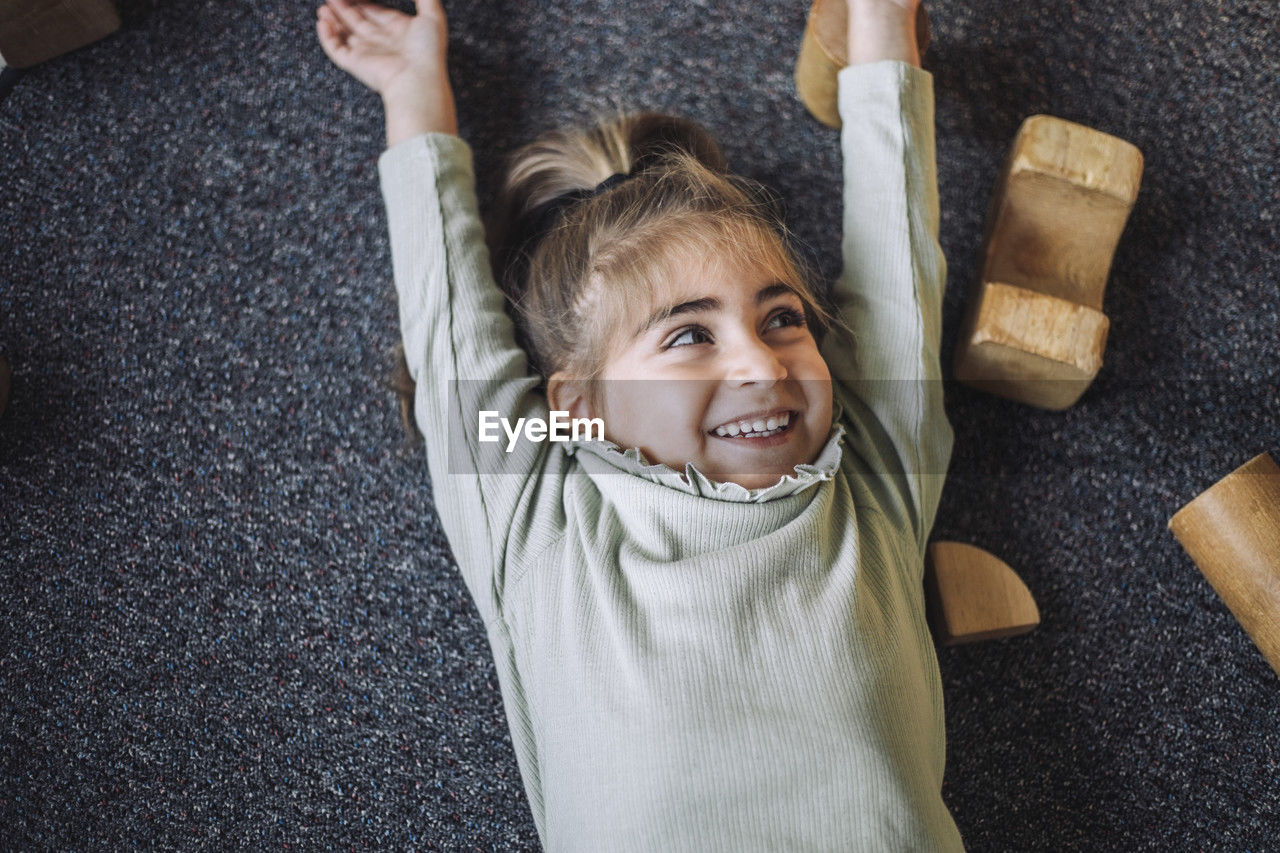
[888, 377]
[459, 343]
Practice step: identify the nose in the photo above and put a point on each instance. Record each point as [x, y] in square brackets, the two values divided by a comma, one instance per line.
[754, 362]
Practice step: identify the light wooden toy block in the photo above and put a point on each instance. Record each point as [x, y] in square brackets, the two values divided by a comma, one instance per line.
[32, 31]
[1232, 532]
[825, 50]
[972, 595]
[1034, 330]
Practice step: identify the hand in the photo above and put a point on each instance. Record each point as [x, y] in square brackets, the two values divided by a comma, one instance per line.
[401, 57]
[379, 46]
[883, 29]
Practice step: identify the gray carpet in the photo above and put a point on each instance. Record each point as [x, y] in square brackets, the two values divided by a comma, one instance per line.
[229, 617]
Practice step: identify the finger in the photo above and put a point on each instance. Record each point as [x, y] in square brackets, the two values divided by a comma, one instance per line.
[327, 38]
[380, 15]
[354, 8]
[325, 14]
[430, 8]
[349, 14]
[328, 26]
[331, 40]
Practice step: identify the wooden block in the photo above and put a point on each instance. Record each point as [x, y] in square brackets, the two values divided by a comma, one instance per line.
[1031, 347]
[971, 595]
[825, 50]
[1232, 532]
[1054, 223]
[32, 31]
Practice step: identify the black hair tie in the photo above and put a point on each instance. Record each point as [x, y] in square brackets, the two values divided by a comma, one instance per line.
[542, 217]
[609, 183]
[534, 225]
[540, 220]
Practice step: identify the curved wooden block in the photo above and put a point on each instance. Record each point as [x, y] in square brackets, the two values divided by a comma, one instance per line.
[1054, 223]
[972, 595]
[825, 50]
[1232, 532]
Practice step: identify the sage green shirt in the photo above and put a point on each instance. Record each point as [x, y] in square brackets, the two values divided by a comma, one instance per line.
[687, 665]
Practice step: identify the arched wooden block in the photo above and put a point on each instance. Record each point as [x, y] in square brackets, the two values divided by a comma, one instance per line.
[1054, 223]
[825, 50]
[972, 595]
[1232, 532]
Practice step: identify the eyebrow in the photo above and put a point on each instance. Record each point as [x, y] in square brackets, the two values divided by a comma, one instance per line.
[709, 303]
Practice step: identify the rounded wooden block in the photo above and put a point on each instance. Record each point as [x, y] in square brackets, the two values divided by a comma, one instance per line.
[1030, 347]
[825, 50]
[1232, 532]
[973, 595]
[1079, 155]
[1034, 330]
[32, 31]
[1059, 209]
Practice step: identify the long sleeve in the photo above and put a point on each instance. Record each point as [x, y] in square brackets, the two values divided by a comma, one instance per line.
[888, 377]
[461, 350]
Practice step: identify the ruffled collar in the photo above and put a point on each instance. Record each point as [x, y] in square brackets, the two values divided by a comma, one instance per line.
[694, 482]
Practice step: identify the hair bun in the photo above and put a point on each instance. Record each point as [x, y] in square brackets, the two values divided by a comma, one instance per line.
[655, 137]
[562, 163]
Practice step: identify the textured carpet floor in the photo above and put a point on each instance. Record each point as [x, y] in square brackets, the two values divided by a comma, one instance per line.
[228, 616]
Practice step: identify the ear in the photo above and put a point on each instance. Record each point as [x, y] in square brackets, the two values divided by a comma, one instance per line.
[567, 394]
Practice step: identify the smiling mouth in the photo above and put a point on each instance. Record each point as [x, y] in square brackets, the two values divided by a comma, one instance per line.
[757, 427]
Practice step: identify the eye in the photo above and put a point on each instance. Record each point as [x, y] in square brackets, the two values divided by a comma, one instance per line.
[788, 317]
[689, 332]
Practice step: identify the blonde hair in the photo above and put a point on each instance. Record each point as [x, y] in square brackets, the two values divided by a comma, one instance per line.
[604, 259]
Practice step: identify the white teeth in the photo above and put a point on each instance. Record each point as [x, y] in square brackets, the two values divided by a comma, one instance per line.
[755, 429]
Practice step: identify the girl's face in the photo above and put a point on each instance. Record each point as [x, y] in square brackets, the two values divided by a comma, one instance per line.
[725, 374]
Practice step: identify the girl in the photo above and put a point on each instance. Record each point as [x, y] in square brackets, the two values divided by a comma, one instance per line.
[708, 623]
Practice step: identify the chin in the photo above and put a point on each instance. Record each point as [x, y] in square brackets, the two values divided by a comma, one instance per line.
[765, 473]
[750, 483]
[755, 481]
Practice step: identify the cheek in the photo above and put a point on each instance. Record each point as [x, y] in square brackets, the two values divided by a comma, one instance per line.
[670, 410]
[673, 408]
[653, 410]
[816, 378]
[814, 365]
[807, 366]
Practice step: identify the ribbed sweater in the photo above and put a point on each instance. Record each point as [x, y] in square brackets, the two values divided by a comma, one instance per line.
[687, 665]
